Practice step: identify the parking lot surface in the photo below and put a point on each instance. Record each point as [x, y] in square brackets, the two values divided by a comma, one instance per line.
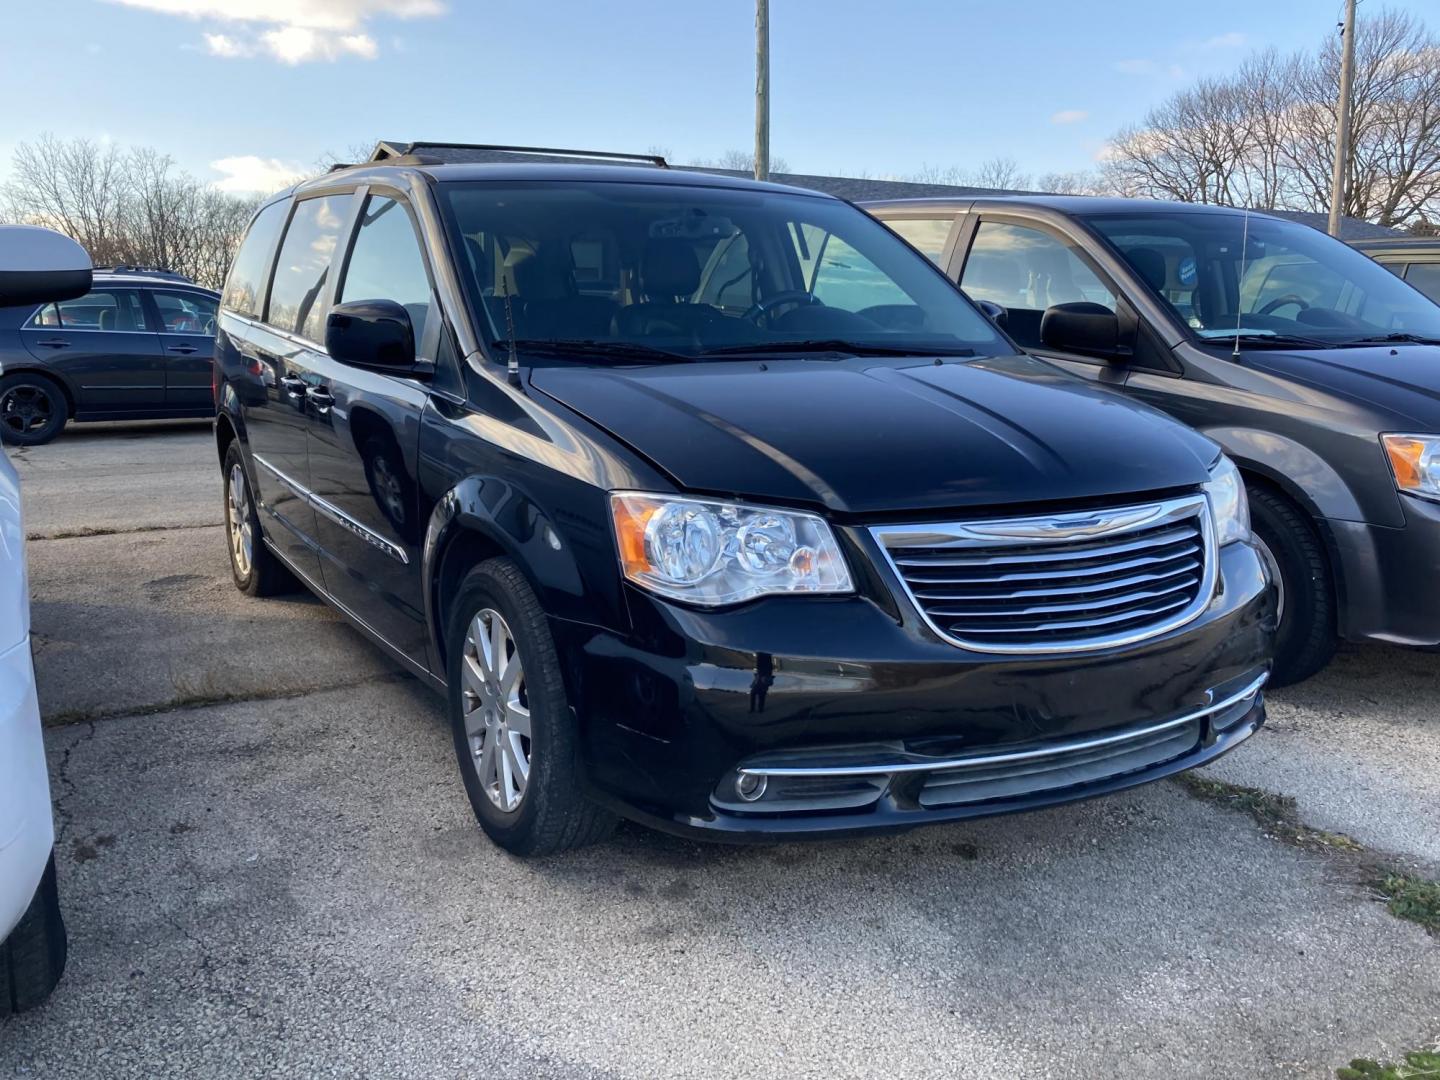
[269, 868]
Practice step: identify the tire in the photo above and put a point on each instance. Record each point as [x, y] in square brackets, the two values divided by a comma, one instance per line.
[1306, 638]
[548, 813]
[32, 958]
[255, 568]
[33, 409]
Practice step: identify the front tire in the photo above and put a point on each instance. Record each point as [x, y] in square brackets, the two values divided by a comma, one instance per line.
[32, 958]
[256, 569]
[33, 409]
[515, 736]
[1306, 638]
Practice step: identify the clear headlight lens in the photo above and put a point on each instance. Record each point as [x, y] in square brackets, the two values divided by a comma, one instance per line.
[1415, 461]
[712, 553]
[1228, 504]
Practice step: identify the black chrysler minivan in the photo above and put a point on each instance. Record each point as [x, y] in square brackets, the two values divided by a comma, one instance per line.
[712, 503]
[1317, 371]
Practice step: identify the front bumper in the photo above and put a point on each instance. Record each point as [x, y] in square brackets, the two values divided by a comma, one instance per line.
[27, 832]
[1390, 578]
[675, 712]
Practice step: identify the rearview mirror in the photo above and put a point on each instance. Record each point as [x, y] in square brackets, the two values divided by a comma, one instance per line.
[38, 266]
[1082, 327]
[371, 334]
[993, 311]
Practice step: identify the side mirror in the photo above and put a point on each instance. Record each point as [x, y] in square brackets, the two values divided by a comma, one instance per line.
[994, 312]
[39, 265]
[1083, 327]
[371, 334]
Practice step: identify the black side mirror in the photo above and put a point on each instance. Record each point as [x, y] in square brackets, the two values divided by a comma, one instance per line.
[1083, 327]
[994, 312]
[371, 334]
[38, 266]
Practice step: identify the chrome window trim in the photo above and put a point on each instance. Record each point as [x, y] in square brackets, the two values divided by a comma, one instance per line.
[334, 513]
[1249, 693]
[1059, 528]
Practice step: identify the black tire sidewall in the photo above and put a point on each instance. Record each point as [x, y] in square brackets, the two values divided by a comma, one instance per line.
[1305, 637]
[59, 408]
[487, 587]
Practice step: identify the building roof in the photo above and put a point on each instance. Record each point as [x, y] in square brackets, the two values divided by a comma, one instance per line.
[855, 189]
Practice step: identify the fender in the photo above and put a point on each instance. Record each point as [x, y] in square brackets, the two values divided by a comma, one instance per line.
[1295, 469]
[498, 518]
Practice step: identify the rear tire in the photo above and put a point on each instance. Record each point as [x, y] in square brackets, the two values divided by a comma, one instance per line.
[32, 958]
[256, 569]
[522, 692]
[1306, 638]
[33, 409]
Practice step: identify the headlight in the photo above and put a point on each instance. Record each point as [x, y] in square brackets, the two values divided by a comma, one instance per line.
[1228, 505]
[1415, 461]
[714, 553]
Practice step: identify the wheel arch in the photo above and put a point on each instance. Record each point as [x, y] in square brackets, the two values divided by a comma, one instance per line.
[48, 373]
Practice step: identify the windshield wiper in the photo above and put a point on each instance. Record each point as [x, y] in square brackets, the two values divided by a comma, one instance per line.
[1258, 338]
[1419, 339]
[622, 350]
[835, 345]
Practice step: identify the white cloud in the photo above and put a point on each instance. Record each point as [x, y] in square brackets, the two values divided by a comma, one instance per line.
[292, 31]
[1070, 116]
[1233, 40]
[248, 174]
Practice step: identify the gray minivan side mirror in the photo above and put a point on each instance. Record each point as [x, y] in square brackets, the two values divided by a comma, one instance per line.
[38, 266]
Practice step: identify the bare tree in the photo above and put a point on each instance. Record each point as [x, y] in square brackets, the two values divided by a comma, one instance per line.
[740, 161]
[131, 207]
[1264, 136]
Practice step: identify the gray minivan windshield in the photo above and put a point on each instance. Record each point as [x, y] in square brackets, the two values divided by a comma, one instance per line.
[698, 272]
[1266, 278]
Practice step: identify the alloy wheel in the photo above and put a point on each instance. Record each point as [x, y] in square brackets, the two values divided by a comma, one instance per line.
[237, 517]
[24, 409]
[496, 709]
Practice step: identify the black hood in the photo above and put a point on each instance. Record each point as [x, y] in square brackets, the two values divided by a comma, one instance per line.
[869, 436]
[1401, 379]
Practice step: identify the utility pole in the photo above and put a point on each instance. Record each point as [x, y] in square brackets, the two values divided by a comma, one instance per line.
[1342, 118]
[762, 89]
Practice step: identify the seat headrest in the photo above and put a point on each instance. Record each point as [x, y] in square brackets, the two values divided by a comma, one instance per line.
[539, 278]
[1150, 265]
[669, 268]
[107, 319]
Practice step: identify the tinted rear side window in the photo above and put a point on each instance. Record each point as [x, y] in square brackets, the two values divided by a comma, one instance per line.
[246, 283]
[297, 295]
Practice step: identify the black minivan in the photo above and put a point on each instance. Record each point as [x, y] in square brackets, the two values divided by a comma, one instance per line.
[1315, 369]
[713, 504]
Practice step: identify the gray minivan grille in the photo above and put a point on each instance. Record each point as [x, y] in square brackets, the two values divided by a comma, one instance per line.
[1059, 582]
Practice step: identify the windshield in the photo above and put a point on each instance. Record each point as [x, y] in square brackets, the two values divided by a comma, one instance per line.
[699, 272]
[1270, 278]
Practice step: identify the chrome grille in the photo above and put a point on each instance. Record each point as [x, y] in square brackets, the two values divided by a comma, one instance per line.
[1059, 582]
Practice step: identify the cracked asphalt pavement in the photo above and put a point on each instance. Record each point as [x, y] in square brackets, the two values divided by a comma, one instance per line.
[269, 868]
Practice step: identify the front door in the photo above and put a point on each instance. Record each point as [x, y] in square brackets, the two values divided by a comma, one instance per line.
[364, 446]
[105, 349]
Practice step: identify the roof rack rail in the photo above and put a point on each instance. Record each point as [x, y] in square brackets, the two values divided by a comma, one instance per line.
[385, 151]
[150, 271]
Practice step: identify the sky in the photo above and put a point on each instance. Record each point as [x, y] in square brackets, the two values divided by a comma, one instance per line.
[245, 93]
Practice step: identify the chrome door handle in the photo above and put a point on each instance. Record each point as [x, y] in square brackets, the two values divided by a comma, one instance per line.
[295, 387]
[320, 398]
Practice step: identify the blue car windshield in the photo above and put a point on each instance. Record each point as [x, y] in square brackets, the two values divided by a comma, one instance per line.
[698, 271]
[1223, 271]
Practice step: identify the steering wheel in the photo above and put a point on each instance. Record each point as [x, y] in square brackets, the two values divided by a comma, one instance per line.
[1281, 301]
[764, 308]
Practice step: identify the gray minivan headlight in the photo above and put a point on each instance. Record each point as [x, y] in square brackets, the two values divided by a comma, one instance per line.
[1228, 504]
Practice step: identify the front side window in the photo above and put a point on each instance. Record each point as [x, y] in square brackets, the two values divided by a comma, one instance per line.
[245, 285]
[297, 295]
[185, 313]
[103, 309]
[1225, 273]
[927, 235]
[1426, 278]
[385, 261]
[701, 271]
[1026, 270]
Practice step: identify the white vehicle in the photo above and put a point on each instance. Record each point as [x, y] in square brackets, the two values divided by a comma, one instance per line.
[36, 265]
